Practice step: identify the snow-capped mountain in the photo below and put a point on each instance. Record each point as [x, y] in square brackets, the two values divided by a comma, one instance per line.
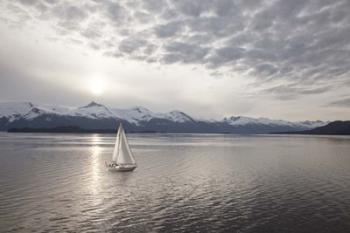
[137, 119]
[12, 111]
[92, 110]
[313, 124]
[245, 121]
[137, 115]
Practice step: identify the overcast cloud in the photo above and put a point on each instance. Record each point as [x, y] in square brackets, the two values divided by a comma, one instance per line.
[279, 53]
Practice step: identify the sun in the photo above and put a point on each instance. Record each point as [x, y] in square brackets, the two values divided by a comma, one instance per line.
[97, 86]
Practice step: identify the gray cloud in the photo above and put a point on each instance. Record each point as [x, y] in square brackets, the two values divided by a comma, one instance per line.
[341, 103]
[67, 12]
[302, 42]
[131, 45]
[225, 55]
[293, 91]
[168, 30]
[182, 52]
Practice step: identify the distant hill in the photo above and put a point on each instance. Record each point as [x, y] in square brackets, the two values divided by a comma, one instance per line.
[67, 129]
[333, 128]
[95, 117]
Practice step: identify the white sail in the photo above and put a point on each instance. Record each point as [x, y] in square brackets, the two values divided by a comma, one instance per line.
[116, 147]
[122, 153]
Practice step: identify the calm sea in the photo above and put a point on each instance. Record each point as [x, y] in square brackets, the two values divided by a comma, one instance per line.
[183, 183]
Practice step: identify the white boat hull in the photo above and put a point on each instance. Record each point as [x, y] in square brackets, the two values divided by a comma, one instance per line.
[119, 168]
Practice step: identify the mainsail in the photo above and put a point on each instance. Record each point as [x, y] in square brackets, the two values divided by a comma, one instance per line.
[122, 153]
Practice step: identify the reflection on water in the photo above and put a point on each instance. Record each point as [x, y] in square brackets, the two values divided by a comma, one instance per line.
[184, 183]
[95, 170]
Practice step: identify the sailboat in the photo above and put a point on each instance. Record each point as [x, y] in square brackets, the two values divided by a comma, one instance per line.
[122, 159]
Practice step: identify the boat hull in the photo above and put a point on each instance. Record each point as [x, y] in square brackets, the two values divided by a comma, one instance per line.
[118, 168]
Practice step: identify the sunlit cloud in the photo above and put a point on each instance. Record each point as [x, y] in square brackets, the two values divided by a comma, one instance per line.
[275, 51]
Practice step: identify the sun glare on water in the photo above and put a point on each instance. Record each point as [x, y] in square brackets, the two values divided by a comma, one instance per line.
[97, 86]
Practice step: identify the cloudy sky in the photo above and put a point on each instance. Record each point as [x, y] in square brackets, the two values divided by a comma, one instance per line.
[210, 58]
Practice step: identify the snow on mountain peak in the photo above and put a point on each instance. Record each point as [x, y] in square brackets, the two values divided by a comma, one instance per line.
[92, 104]
[93, 110]
[313, 124]
[242, 120]
[140, 109]
[178, 116]
[13, 110]
[136, 115]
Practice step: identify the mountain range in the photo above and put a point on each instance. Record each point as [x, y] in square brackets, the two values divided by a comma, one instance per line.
[333, 128]
[95, 116]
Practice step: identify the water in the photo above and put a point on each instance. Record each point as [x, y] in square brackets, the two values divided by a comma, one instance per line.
[183, 183]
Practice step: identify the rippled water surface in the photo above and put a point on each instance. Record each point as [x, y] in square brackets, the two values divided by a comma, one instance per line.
[183, 183]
